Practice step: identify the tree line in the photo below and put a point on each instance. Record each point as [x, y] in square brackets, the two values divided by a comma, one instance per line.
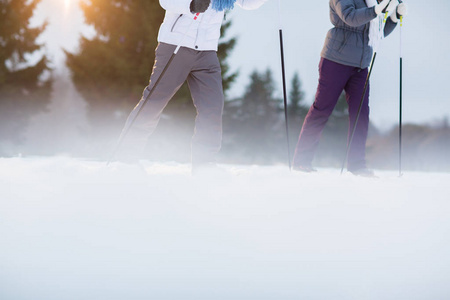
[111, 70]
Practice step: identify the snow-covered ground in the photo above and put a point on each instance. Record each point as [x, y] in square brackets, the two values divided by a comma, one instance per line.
[74, 229]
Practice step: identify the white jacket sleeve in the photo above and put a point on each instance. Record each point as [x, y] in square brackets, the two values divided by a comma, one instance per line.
[176, 6]
[250, 4]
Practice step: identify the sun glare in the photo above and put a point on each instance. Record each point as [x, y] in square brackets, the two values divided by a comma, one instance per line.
[66, 4]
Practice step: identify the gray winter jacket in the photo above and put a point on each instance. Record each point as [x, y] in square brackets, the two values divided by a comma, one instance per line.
[348, 42]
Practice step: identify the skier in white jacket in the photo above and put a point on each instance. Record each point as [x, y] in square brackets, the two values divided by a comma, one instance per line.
[197, 62]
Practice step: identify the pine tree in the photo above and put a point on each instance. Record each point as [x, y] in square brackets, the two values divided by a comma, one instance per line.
[254, 123]
[225, 48]
[25, 86]
[296, 98]
[112, 69]
[297, 110]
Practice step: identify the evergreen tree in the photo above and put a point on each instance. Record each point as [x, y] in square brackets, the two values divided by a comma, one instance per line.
[296, 98]
[225, 48]
[296, 110]
[254, 125]
[112, 69]
[259, 106]
[25, 87]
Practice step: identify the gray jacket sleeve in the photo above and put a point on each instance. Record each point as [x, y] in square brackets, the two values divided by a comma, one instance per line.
[389, 27]
[347, 11]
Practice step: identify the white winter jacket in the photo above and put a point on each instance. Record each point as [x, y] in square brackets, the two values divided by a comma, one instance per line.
[179, 26]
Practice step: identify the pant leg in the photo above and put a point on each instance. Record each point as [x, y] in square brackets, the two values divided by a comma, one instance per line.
[354, 90]
[332, 80]
[139, 127]
[205, 84]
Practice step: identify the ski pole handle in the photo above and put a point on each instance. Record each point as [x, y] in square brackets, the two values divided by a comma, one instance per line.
[401, 17]
[386, 14]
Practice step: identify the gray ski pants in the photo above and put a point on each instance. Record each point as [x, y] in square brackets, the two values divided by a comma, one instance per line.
[202, 71]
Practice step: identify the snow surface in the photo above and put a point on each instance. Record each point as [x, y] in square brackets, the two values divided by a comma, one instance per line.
[77, 229]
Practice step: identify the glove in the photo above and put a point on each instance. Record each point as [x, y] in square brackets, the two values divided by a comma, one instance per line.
[391, 7]
[381, 7]
[199, 6]
[402, 10]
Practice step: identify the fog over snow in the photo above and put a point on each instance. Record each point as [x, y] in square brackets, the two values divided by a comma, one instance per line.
[426, 44]
[77, 229]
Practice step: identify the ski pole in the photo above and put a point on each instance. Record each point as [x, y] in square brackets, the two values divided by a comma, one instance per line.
[359, 112]
[283, 72]
[401, 102]
[127, 129]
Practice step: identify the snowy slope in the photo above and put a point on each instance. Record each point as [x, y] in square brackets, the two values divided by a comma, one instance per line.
[74, 229]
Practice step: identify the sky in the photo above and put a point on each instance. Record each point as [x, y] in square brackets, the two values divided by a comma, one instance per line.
[77, 229]
[425, 43]
[426, 55]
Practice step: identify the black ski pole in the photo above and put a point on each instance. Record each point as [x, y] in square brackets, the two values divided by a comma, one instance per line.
[283, 72]
[127, 129]
[401, 102]
[358, 113]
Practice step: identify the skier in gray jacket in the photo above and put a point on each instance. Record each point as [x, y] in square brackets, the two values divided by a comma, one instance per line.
[196, 62]
[347, 42]
[345, 58]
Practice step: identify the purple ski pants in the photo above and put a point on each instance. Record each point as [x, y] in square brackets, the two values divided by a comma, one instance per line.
[333, 79]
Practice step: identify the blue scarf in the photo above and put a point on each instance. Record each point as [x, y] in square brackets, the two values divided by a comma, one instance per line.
[220, 5]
